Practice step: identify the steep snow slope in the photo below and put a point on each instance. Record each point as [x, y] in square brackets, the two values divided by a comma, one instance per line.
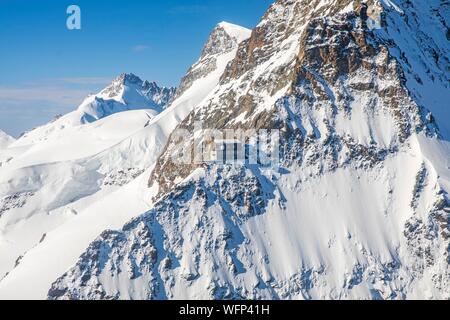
[312, 241]
[66, 199]
[417, 35]
[359, 208]
[38, 183]
[94, 137]
[5, 140]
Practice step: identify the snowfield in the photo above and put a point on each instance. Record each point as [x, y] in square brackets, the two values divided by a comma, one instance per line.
[5, 140]
[92, 205]
[72, 175]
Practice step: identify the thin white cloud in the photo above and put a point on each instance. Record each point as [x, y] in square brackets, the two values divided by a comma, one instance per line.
[59, 95]
[24, 106]
[67, 91]
[87, 80]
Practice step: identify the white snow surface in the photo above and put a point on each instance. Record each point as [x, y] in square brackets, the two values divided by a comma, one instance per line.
[70, 178]
[356, 231]
[5, 139]
[344, 223]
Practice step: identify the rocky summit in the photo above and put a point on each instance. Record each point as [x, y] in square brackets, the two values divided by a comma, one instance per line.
[355, 207]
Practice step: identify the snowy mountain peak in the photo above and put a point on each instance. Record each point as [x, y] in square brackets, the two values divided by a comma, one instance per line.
[356, 207]
[117, 86]
[5, 139]
[126, 92]
[128, 84]
[129, 78]
[235, 31]
[81, 168]
[224, 38]
[352, 100]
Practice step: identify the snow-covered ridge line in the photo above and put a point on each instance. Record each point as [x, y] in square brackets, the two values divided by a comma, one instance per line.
[360, 209]
[126, 92]
[5, 139]
[79, 192]
[224, 39]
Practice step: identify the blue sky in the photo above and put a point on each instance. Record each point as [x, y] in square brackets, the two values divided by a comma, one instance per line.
[46, 69]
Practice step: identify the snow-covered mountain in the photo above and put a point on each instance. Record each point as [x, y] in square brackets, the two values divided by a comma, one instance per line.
[5, 139]
[66, 182]
[359, 208]
[126, 92]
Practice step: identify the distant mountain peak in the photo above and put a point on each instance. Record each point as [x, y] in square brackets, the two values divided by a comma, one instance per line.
[126, 92]
[129, 79]
[118, 84]
[128, 87]
[5, 139]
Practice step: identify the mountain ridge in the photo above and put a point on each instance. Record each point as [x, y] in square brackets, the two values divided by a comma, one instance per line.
[360, 207]
[5, 139]
[70, 197]
[355, 204]
[126, 92]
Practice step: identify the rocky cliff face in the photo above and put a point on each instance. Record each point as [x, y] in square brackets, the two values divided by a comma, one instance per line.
[62, 180]
[200, 222]
[359, 207]
[323, 60]
[224, 39]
